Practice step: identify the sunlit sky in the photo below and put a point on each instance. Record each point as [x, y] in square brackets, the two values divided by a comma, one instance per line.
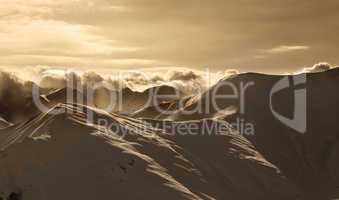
[270, 36]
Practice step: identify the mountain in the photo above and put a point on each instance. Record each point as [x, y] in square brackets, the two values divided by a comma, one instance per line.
[67, 157]
[124, 101]
[132, 101]
[16, 109]
[250, 136]
[163, 110]
[309, 158]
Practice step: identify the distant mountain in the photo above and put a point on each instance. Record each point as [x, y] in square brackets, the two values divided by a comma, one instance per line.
[132, 101]
[123, 101]
[20, 108]
[162, 110]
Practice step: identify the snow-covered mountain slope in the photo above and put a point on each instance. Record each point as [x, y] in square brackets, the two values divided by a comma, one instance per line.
[67, 157]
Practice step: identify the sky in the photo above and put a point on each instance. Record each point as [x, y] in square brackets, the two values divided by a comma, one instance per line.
[271, 36]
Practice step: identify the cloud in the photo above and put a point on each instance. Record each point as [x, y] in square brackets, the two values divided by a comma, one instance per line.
[150, 33]
[55, 38]
[319, 67]
[188, 81]
[225, 74]
[232, 72]
[14, 95]
[12, 105]
[182, 75]
[286, 49]
[49, 42]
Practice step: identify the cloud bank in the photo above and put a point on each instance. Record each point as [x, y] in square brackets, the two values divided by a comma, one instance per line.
[186, 80]
[16, 88]
[319, 67]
